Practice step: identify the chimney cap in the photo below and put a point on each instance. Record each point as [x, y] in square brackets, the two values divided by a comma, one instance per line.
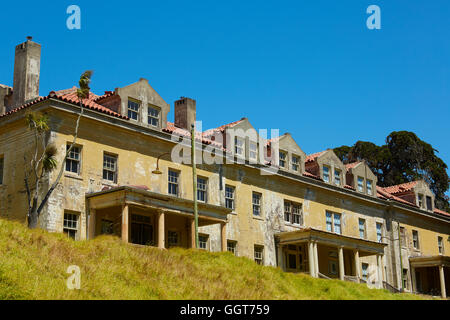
[29, 38]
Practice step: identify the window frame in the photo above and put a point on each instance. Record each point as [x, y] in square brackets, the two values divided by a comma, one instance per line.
[258, 259]
[239, 146]
[73, 160]
[204, 237]
[359, 187]
[232, 244]
[440, 245]
[415, 239]
[228, 199]
[172, 183]
[339, 177]
[257, 205]
[67, 228]
[380, 233]
[282, 159]
[295, 165]
[369, 190]
[150, 116]
[251, 151]
[131, 110]
[203, 191]
[115, 172]
[170, 236]
[362, 223]
[328, 179]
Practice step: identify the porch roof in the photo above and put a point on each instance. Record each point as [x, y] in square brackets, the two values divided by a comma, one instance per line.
[143, 198]
[366, 247]
[430, 261]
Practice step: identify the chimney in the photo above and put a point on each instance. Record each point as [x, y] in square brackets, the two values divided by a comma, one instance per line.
[185, 113]
[26, 72]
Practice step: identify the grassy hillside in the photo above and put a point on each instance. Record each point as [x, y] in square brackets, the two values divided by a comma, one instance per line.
[33, 265]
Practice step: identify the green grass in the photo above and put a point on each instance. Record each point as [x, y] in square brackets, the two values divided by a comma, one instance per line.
[33, 265]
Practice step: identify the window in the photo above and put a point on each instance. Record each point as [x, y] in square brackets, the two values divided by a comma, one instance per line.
[231, 247]
[203, 242]
[282, 160]
[259, 255]
[295, 163]
[253, 151]
[256, 204]
[365, 271]
[2, 163]
[326, 174]
[415, 235]
[239, 146]
[362, 228]
[337, 223]
[440, 245]
[229, 197]
[405, 278]
[333, 222]
[73, 160]
[337, 177]
[107, 227]
[173, 183]
[403, 236]
[70, 225]
[369, 187]
[202, 189]
[141, 230]
[110, 168]
[360, 184]
[329, 217]
[420, 200]
[429, 204]
[379, 232]
[293, 213]
[332, 267]
[133, 110]
[153, 116]
[292, 261]
[173, 238]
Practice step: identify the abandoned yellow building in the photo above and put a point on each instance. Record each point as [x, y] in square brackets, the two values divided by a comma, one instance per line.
[260, 198]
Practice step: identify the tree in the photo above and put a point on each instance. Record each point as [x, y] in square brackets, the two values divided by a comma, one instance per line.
[404, 158]
[43, 160]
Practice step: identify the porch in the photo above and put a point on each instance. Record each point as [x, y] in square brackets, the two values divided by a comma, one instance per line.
[328, 255]
[431, 275]
[143, 217]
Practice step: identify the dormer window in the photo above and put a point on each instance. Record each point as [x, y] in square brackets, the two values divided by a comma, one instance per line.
[253, 150]
[326, 174]
[239, 146]
[369, 187]
[282, 160]
[295, 163]
[337, 177]
[360, 184]
[133, 110]
[420, 200]
[429, 203]
[153, 116]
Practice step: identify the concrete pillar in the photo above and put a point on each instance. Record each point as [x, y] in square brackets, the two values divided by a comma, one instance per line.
[192, 233]
[341, 263]
[316, 260]
[91, 227]
[379, 272]
[161, 230]
[223, 233]
[442, 278]
[125, 222]
[383, 269]
[357, 265]
[413, 280]
[311, 258]
[280, 257]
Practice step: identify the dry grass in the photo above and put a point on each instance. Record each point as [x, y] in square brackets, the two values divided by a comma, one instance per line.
[33, 266]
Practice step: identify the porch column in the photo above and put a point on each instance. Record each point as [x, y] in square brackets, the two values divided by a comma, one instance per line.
[379, 272]
[341, 263]
[413, 280]
[316, 260]
[161, 230]
[91, 227]
[442, 278]
[383, 269]
[280, 257]
[311, 258]
[357, 265]
[223, 233]
[192, 233]
[125, 219]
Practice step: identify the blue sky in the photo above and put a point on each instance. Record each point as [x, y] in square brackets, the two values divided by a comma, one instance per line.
[311, 68]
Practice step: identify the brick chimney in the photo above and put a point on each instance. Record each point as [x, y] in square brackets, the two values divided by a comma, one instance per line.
[26, 72]
[185, 113]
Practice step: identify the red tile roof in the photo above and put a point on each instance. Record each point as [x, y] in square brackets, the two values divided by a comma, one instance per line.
[400, 188]
[310, 175]
[171, 128]
[221, 129]
[70, 95]
[442, 212]
[387, 195]
[106, 95]
[314, 156]
[352, 165]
